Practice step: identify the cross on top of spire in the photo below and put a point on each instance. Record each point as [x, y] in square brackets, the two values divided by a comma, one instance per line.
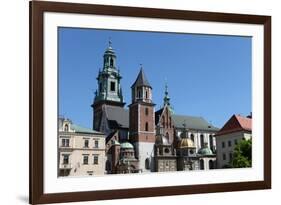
[166, 88]
[184, 125]
[109, 42]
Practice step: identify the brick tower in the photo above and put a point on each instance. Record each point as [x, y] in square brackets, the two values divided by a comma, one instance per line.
[141, 123]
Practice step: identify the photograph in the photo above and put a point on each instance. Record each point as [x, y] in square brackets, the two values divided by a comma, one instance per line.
[129, 102]
[143, 102]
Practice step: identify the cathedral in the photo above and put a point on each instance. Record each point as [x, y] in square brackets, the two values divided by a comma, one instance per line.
[141, 139]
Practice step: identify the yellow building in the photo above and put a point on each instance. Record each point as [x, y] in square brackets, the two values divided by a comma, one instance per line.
[81, 151]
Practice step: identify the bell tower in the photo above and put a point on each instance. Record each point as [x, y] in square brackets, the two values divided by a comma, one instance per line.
[109, 90]
[141, 123]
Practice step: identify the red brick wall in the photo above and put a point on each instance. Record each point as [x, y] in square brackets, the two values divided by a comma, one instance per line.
[147, 118]
[168, 126]
[144, 118]
[133, 121]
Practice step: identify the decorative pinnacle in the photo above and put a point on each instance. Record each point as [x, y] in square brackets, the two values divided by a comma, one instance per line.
[166, 88]
[184, 124]
[166, 97]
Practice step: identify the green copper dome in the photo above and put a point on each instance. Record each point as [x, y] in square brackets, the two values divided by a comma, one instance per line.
[205, 151]
[126, 145]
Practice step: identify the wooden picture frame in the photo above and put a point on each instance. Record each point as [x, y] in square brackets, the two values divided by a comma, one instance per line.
[37, 9]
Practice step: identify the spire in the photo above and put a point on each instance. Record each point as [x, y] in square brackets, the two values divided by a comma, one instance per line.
[109, 50]
[184, 124]
[166, 97]
[109, 43]
[184, 133]
[141, 79]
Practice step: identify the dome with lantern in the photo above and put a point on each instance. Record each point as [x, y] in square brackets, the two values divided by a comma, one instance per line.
[185, 143]
[205, 151]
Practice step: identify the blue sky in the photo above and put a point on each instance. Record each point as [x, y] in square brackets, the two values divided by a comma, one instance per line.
[207, 75]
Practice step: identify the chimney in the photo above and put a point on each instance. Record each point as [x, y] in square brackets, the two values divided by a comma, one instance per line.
[250, 115]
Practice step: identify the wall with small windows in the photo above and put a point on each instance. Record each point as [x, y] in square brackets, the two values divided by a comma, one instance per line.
[225, 145]
[87, 161]
[81, 154]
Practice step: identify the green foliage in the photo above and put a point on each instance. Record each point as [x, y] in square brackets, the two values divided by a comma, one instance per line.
[242, 156]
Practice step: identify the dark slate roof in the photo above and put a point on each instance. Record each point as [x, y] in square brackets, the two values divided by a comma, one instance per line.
[141, 80]
[117, 117]
[192, 122]
[157, 115]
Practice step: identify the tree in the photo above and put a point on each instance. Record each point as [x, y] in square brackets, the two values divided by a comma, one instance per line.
[242, 156]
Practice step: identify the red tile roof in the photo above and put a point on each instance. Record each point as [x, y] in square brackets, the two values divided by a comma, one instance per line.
[245, 122]
[235, 124]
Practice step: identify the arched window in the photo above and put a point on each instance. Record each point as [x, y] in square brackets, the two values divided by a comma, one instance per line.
[211, 141]
[66, 128]
[139, 94]
[111, 62]
[211, 164]
[201, 164]
[167, 136]
[146, 94]
[192, 137]
[202, 140]
[163, 121]
[112, 86]
[146, 126]
[146, 111]
[170, 119]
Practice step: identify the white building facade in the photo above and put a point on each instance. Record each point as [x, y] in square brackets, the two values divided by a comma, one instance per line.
[81, 151]
[237, 128]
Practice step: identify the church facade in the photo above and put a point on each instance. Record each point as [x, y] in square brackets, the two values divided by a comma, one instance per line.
[142, 139]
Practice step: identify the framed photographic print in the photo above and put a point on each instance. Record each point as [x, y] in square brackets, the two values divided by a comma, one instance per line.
[138, 102]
